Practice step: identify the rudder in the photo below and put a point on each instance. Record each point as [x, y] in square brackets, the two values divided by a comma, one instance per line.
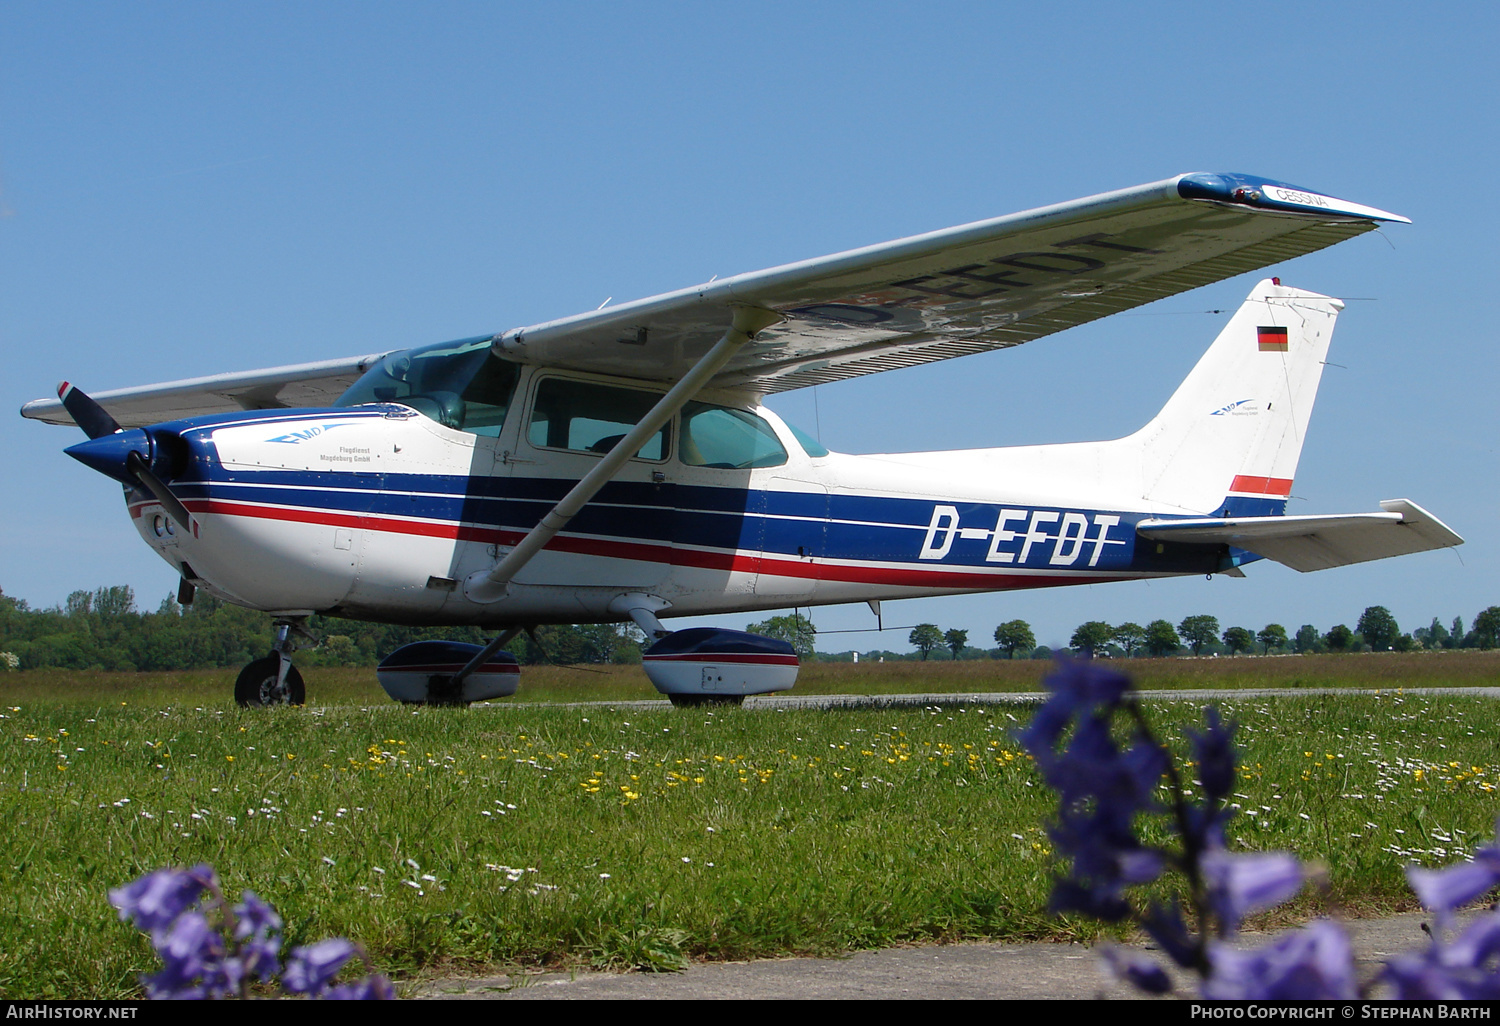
[1228, 441]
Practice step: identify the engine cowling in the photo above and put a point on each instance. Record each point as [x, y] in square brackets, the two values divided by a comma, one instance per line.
[717, 661]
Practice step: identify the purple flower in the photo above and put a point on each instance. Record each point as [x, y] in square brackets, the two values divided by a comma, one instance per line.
[1214, 752]
[1241, 884]
[311, 968]
[1444, 890]
[199, 961]
[1479, 945]
[190, 950]
[1312, 964]
[1468, 969]
[254, 921]
[254, 918]
[1164, 924]
[1138, 969]
[157, 899]
[1076, 687]
[1101, 790]
[374, 987]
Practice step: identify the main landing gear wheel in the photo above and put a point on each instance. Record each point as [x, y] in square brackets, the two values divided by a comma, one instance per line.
[700, 701]
[256, 686]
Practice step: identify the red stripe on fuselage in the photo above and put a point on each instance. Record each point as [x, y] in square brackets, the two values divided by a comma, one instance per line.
[729, 562]
[450, 668]
[723, 657]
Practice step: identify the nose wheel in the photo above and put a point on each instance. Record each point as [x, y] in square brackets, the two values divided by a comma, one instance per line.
[262, 683]
[273, 680]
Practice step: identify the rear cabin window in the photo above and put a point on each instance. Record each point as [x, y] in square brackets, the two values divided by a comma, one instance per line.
[810, 445]
[727, 439]
[461, 385]
[586, 417]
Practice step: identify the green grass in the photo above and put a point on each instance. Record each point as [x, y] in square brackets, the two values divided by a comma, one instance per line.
[560, 836]
[338, 685]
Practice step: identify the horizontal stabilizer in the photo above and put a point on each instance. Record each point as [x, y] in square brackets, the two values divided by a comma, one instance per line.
[1316, 542]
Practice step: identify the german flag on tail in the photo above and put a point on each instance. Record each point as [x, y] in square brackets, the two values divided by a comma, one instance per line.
[1272, 340]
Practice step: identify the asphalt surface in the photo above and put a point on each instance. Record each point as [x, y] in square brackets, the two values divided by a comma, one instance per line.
[948, 972]
[966, 698]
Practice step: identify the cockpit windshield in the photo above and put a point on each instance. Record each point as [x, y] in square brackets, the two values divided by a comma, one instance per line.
[460, 384]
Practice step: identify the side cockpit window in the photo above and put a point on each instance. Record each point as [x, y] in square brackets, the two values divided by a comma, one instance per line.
[586, 417]
[728, 439]
[461, 385]
[487, 396]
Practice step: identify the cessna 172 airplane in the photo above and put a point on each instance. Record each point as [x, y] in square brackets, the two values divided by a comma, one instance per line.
[618, 465]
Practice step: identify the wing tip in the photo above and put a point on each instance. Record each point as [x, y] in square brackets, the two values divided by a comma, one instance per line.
[1268, 194]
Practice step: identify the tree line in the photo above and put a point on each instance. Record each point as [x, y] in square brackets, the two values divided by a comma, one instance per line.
[104, 630]
[1376, 630]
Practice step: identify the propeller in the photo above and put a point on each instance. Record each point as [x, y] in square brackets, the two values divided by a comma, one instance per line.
[137, 465]
[86, 413]
[116, 452]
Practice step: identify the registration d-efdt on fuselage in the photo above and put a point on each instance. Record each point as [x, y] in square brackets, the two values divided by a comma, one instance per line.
[618, 465]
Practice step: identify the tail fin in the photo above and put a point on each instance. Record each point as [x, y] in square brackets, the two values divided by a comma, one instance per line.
[1229, 438]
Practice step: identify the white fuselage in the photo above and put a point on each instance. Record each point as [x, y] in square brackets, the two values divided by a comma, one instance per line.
[380, 513]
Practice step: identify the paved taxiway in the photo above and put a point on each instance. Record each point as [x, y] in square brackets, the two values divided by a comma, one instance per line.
[964, 698]
[952, 972]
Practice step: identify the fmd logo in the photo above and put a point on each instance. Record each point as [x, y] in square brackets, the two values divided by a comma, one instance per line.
[298, 437]
[1245, 407]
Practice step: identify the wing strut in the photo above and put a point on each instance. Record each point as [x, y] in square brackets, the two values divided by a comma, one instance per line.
[487, 586]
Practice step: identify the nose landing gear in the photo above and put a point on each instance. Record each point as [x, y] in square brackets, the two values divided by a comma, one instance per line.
[273, 680]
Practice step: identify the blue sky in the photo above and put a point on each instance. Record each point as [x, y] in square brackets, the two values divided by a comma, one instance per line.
[193, 188]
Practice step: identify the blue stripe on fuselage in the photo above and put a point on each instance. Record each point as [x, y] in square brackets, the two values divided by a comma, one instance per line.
[914, 532]
[1251, 506]
[856, 528]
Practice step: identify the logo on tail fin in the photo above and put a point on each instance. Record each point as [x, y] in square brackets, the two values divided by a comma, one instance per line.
[1271, 340]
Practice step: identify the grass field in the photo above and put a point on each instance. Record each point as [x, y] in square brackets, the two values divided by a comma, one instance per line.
[328, 685]
[448, 839]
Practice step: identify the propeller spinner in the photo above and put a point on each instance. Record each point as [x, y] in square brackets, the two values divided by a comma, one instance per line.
[117, 453]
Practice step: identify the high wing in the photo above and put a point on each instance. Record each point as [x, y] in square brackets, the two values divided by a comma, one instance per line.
[970, 289]
[1316, 542]
[274, 388]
